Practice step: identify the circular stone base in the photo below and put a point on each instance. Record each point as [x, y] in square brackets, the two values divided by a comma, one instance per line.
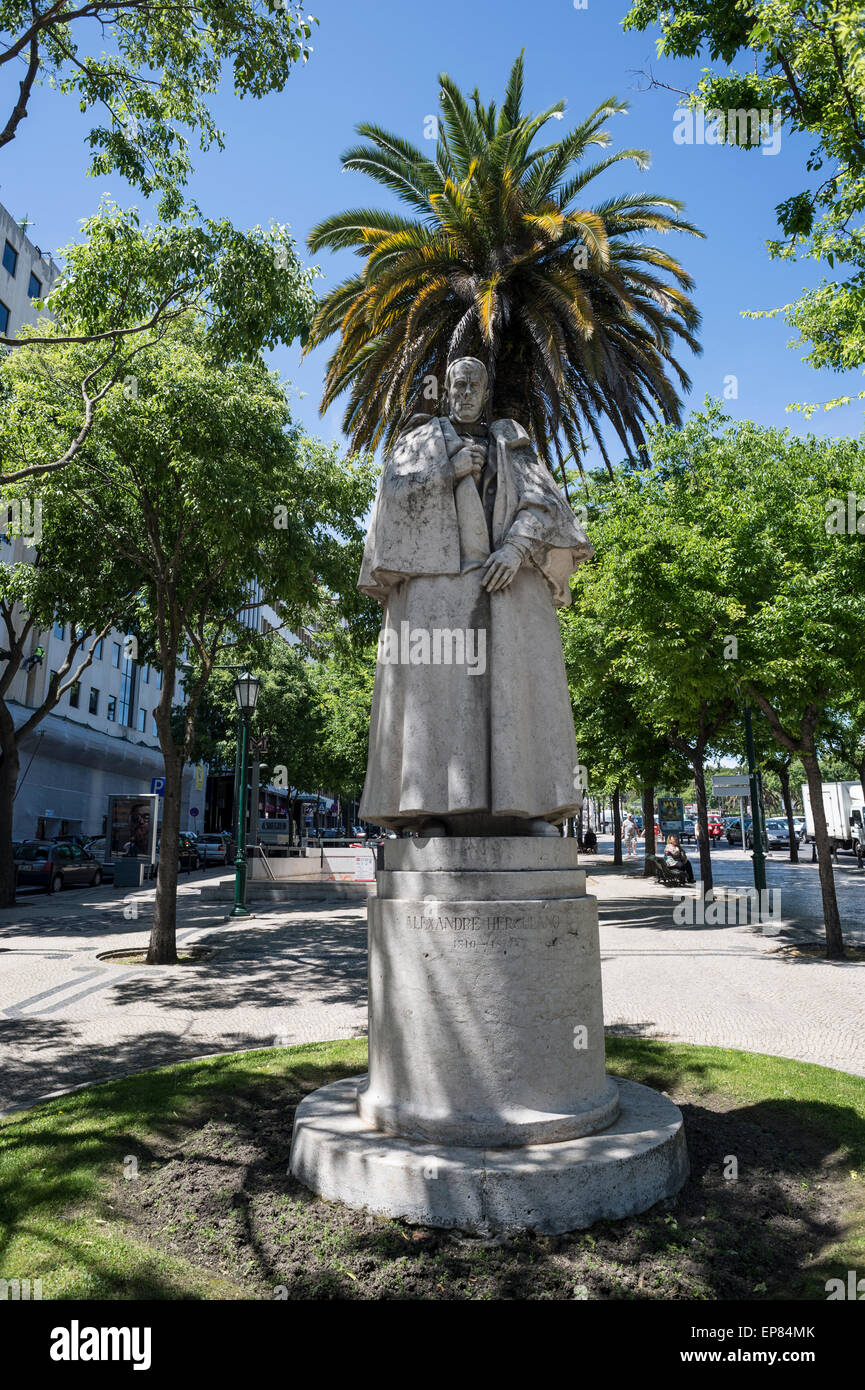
[552, 1188]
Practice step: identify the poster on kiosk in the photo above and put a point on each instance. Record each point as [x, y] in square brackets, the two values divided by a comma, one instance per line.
[132, 828]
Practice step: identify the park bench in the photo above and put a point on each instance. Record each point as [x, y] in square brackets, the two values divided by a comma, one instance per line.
[664, 873]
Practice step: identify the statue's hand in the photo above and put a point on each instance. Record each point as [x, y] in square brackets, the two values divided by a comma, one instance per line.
[500, 568]
[469, 461]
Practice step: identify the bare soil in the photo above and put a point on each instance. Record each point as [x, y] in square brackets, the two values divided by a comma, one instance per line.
[760, 1207]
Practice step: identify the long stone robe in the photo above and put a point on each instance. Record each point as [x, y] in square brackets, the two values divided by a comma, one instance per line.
[451, 738]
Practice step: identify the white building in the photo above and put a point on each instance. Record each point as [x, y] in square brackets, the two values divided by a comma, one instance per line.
[26, 273]
[100, 740]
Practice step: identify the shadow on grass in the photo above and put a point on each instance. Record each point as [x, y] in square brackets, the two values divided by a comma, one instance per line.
[213, 1212]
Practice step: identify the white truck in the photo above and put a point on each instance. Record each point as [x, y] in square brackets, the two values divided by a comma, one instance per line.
[843, 804]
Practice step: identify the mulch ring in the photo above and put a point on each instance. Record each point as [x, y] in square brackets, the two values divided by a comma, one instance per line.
[761, 1204]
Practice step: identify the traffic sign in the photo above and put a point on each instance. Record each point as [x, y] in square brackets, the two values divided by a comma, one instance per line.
[732, 786]
[157, 786]
[193, 810]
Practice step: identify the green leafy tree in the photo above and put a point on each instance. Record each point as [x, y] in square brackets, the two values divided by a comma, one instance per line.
[576, 317]
[616, 745]
[152, 76]
[805, 60]
[661, 648]
[759, 505]
[125, 285]
[202, 483]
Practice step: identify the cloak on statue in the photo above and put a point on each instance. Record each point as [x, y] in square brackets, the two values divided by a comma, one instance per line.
[492, 732]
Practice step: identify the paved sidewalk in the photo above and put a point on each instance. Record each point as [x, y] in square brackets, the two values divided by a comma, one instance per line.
[731, 985]
[67, 1018]
[299, 975]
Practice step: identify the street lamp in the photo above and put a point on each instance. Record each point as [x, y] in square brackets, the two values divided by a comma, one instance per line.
[246, 688]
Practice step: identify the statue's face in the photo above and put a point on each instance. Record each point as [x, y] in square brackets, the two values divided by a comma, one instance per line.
[467, 390]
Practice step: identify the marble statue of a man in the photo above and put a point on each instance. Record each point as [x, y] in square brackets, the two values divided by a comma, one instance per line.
[470, 548]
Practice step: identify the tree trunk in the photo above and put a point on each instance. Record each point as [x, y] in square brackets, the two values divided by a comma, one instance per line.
[784, 779]
[163, 935]
[831, 916]
[648, 828]
[9, 766]
[617, 827]
[702, 820]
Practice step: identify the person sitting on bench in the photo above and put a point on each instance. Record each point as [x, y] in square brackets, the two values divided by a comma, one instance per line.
[676, 858]
[590, 842]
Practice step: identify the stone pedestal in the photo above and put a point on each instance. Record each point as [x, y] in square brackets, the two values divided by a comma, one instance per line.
[487, 1105]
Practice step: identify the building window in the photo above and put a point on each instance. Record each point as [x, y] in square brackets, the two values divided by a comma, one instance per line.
[142, 721]
[10, 258]
[4, 318]
[155, 730]
[94, 700]
[34, 289]
[97, 651]
[115, 655]
[74, 694]
[145, 674]
[111, 714]
[158, 680]
[59, 631]
[127, 694]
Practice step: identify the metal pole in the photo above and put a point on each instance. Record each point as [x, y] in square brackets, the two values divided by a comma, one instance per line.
[254, 835]
[756, 807]
[240, 909]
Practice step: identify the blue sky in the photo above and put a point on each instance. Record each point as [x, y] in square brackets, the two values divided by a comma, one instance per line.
[379, 62]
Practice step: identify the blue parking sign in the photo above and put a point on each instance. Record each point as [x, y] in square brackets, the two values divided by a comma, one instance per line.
[157, 786]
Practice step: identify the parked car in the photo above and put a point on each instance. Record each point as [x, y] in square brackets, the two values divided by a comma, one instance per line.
[688, 830]
[44, 864]
[734, 829]
[715, 827]
[214, 848]
[749, 839]
[98, 848]
[778, 832]
[190, 853]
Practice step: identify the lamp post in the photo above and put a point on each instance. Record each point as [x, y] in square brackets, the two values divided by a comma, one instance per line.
[246, 688]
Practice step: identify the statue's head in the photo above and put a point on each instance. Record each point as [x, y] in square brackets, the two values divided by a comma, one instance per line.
[466, 387]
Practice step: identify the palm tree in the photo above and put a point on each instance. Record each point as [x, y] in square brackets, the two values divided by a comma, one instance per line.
[575, 316]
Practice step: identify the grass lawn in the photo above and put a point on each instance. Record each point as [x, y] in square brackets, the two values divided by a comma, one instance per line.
[173, 1184]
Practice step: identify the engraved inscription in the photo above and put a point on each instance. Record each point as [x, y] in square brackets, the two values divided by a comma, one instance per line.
[484, 932]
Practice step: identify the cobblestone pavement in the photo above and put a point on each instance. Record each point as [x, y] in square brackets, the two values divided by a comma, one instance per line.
[298, 974]
[731, 985]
